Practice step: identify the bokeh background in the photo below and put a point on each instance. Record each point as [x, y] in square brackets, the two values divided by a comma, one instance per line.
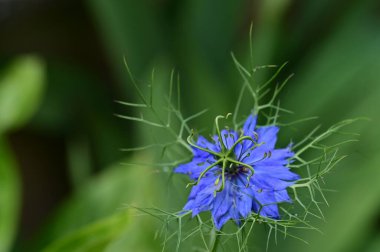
[62, 182]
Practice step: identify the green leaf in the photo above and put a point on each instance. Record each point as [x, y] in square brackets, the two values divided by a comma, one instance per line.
[375, 244]
[97, 199]
[93, 237]
[21, 87]
[9, 197]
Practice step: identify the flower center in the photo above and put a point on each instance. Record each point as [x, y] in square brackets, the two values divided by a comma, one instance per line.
[234, 169]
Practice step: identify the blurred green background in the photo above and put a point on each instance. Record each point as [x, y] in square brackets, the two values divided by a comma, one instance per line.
[62, 183]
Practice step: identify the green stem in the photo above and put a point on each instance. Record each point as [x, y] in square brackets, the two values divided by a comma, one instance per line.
[216, 241]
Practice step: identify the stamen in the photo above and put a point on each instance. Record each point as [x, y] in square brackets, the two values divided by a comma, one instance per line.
[267, 154]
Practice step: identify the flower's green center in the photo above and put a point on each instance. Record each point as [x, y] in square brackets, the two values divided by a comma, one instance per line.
[232, 168]
[225, 159]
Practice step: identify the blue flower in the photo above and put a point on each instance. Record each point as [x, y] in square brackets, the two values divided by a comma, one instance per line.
[239, 173]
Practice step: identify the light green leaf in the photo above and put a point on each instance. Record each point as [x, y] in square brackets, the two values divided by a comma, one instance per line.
[9, 197]
[93, 237]
[97, 199]
[21, 86]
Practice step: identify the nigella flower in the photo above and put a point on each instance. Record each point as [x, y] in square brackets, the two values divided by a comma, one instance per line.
[239, 173]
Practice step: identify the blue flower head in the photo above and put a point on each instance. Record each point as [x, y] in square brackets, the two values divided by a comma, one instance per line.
[238, 173]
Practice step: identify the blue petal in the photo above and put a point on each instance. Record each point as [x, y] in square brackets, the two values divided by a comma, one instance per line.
[256, 155]
[264, 156]
[234, 214]
[249, 126]
[205, 197]
[189, 205]
[195, 167]
[270, 211]
[261, 181]
[201, 196]
[255, 206]
[244, 204]
[238, 150]
[279, 172]
[282, 196]
[221, 220]
[204, 143]
[268, 135]
[241, 202]
[266, 197]
[277, 157]
[229, 138]
[222, 203]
